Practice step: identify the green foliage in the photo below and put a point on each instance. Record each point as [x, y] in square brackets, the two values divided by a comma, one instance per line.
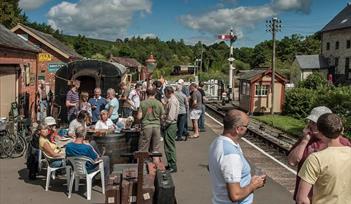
[313, 81]
[98, 56]
[300, 101]
[11, 14]
[287, 124]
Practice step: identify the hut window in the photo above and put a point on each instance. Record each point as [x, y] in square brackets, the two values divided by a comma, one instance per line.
[261, 90]
[245, 87]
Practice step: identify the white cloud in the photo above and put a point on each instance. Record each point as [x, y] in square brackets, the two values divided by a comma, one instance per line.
[293, 5]
[108, 19]
[220, 20]
[241, 18]
[31, 4]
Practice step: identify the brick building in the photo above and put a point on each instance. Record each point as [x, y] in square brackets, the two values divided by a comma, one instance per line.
[135, 70]
[53, 53]
[18, 71]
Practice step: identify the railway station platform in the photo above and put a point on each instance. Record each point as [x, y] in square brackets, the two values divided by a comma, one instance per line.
[192, 179]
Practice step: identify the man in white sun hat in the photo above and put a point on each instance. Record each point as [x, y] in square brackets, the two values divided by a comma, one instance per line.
[309, 143]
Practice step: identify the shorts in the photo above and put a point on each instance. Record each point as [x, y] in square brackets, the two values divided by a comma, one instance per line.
[195, 114]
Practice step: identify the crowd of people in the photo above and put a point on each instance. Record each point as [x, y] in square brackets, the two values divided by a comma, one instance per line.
[322, 155]
[162, 112]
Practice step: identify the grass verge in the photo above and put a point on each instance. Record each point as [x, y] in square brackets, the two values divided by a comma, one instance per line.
[284, 123]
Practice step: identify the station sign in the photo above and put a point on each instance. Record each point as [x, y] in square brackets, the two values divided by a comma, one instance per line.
[53, 67]
[44, 57]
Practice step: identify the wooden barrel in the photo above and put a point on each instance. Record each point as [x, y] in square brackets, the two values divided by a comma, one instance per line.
[116, 144]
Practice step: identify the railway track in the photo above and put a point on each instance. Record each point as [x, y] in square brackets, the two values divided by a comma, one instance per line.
[271, 140]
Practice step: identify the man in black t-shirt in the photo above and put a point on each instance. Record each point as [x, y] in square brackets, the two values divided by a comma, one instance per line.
[203, 108]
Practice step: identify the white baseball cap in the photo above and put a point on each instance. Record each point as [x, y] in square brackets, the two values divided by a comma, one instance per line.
[317, 112]
[50, 120]
[180, 81]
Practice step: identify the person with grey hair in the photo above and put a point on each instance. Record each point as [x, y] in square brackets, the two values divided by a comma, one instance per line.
[112, 106]
[309, 143]
[80, 148]
[329, 169]
[182, 119]
[104, 123]
[229, 170]
[170, 128]
[97, 103]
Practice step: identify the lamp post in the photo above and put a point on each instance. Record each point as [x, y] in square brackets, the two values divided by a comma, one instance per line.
[150, 65]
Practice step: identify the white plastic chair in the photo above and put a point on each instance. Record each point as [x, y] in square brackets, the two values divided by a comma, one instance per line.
[79, 171]
[40, 160]
[50, 171]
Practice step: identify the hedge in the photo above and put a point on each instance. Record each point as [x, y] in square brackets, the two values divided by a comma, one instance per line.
[300, 101]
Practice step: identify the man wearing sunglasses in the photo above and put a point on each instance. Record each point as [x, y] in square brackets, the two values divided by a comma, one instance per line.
[309, 143]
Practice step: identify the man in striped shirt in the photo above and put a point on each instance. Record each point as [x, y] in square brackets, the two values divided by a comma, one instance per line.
[72, 101]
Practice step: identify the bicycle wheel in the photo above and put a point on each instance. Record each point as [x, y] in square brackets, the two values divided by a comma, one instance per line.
[20, 146]
[6, 146]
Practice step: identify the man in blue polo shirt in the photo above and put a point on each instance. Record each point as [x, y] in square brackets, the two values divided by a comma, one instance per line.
[98, 104]
[80, 148]
[229, 170]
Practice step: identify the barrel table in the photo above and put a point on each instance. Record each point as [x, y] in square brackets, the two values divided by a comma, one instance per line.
[115, 144]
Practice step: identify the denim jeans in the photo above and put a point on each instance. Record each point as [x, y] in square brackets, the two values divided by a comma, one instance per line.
[55, 163]
[202, 118]
[181, 121]
[43, 110]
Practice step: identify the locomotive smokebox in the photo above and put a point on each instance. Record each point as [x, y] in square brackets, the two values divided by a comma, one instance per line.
[91, 74]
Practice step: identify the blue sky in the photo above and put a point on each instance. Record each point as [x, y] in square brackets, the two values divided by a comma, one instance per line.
[191, 20]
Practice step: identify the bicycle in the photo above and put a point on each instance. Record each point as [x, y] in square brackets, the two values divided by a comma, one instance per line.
[6, 143]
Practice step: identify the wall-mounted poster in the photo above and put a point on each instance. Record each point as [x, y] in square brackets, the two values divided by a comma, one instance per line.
[53, 67]
[44, 57]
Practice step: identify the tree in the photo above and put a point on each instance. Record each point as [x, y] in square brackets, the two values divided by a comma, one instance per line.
[83, 46]
[11, 14]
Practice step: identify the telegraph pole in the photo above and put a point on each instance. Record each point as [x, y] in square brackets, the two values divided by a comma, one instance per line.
[273, 26]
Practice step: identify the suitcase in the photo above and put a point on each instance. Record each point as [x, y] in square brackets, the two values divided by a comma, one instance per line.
[125, 192]
[113, 190]
[112, 194]
[148, 189]
[164, 188]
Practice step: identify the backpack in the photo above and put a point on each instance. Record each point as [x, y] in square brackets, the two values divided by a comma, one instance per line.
[32, 156]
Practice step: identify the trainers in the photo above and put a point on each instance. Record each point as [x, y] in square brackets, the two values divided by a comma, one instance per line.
[161, 139]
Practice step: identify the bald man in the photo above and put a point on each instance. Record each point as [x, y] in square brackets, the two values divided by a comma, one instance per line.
[229, 170]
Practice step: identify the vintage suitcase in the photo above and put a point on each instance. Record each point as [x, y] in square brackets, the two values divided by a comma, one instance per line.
[113, 189]
[164, 188]
[148, 189]
[125, 192]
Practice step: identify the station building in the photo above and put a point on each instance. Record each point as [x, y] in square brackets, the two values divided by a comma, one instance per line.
[135, 70]
[52, 56]
[336, 45]
[18, 72]
[334, 59]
